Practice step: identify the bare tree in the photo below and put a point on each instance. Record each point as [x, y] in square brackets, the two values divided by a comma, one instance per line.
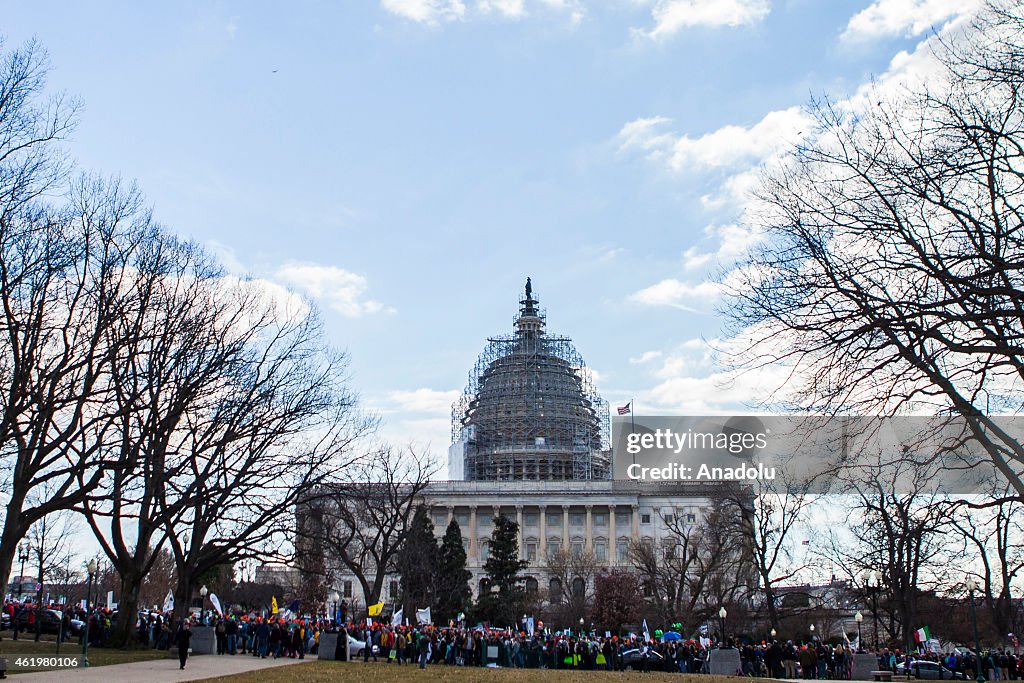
[698, 567]
[765, 515]
[996, 537]
[899, 530]
[575, 571]
[891, 280]
[176, 353]
[363, 522]
[62, 289]
[284, 426]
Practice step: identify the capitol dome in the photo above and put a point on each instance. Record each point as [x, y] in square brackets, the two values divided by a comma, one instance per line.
[530, 411]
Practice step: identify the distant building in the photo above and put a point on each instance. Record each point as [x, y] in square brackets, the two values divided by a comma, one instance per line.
[531, 442]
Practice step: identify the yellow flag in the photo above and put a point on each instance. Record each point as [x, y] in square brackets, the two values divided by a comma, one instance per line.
[375, 609]
[273, 604]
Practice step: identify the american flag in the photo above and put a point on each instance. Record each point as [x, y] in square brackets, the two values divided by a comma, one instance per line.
[625, 410]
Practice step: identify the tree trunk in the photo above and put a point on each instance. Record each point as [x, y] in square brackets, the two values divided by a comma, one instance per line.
[125, 635]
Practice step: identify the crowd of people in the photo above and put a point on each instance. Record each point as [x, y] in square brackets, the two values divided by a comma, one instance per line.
[275, 636]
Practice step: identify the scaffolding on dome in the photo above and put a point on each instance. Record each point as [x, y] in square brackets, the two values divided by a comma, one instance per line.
[530, 409]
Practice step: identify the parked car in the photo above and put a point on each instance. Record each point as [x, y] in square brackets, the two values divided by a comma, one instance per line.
[355, 648]
[932, 671]
[634, 659]
[48, 618]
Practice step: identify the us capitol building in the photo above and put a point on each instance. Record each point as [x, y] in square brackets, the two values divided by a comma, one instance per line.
[531, 442]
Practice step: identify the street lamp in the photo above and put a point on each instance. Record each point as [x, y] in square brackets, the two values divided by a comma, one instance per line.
[812, 632]
[774, 633]
[88, 616]
[23, 557]
[722, 614]
[581, 626]
[858, 617]
[873, 582]
[971, 585]
[202, 608]
[334, 600]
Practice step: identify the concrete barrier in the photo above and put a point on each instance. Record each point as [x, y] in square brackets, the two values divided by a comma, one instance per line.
[204, 640]
[724, 662]
[863, 665]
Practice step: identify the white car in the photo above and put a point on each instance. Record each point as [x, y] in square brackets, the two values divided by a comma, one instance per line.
[355, 648]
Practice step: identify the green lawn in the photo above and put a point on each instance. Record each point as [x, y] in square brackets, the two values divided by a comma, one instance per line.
[357, 672]
[98, 656]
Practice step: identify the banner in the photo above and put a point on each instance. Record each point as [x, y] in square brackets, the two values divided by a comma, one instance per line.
[375, 610]
[396, 618]
[529, 626]
[273, 604]
[169, 601]
[215, 601]
[423, 615]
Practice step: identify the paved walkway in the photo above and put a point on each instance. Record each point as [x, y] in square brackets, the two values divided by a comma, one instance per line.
[160, 670]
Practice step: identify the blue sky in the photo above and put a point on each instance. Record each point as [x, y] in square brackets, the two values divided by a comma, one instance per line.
[408, 163]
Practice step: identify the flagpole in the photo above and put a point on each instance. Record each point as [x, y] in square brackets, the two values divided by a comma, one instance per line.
[632, 421]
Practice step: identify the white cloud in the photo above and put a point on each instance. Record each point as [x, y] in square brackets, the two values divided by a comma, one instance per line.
[437, 12]
[671, 16]
[426, 11]
[690, 381]
[231, 28]
[678, 294]
[887, 18]
[340, 289]
[425, 400]
[733, 242]
[726, 147]
[645, 357]
[512, 9]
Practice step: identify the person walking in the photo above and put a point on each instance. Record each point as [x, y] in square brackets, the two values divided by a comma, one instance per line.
[424, 647]
[182, 639]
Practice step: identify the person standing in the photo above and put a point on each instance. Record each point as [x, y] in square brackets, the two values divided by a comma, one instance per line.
[183, 637]
[424, 647]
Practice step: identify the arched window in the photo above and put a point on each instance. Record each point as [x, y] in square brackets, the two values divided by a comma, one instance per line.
[485, 548]
[531, 585]
[485, 587]
[579, 587]
[555, 591]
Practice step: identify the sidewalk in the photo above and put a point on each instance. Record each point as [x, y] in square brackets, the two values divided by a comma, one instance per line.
[160, 670]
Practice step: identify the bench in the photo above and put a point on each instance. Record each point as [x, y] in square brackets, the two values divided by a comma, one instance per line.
[885, 676]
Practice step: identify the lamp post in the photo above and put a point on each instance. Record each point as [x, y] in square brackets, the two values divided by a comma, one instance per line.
[334, 601]
[812, 632]
[202, 608]
[23, 558]
[858, 617]
[581, 626]
[88, 613]
[774, 633]
[971, 585]
[873, 582]
[722, 614]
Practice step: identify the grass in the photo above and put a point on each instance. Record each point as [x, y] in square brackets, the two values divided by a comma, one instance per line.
[357, 672]
[98, 656]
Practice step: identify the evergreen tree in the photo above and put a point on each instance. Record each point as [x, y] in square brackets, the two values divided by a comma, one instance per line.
[418, 564]
[454, 593]
[501, 604]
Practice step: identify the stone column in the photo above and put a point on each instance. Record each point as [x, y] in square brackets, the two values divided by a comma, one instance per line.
[589, 538]
[542, 548]
[613, 537]
[472, 533]
[565, 528]
[522, 535]
[451, 515]
[636, 522]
